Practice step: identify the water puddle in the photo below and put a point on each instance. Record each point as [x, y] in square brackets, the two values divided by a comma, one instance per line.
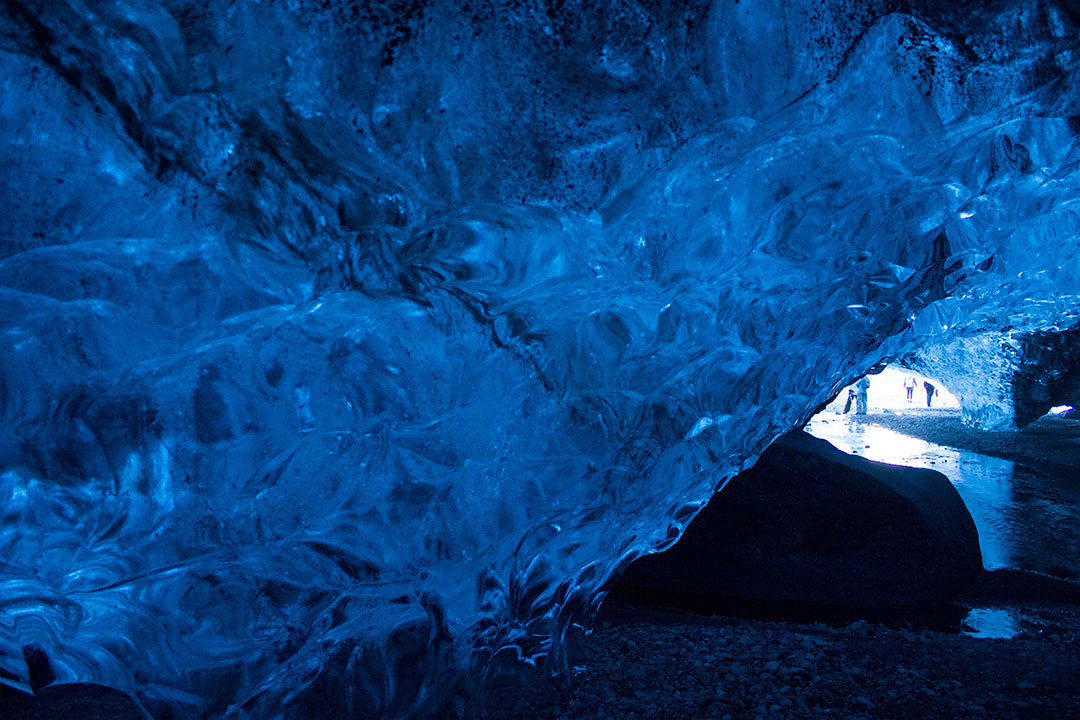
[1001, 623]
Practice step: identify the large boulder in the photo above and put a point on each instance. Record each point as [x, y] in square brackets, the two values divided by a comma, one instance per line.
[810, 527]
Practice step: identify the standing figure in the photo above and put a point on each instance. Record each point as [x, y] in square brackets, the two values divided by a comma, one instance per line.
[860, 395]
[850, 399]
[929, 392]
[909, 386]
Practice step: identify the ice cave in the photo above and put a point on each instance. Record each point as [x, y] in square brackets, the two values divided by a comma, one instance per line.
[351, 348]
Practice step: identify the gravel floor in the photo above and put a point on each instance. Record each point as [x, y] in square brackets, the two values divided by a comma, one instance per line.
[645, 663]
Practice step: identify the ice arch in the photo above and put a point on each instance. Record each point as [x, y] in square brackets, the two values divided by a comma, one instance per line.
[347, 345]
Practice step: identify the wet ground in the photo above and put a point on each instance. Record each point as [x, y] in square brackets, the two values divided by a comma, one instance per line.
[1027, 518]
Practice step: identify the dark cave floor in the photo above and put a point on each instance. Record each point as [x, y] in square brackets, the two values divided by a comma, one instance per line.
[652, 663]
[649, 663]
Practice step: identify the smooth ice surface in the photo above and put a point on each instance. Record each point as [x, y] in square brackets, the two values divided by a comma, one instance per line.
[347, 348]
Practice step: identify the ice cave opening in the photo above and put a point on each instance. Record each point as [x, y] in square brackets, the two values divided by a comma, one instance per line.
[887, 391]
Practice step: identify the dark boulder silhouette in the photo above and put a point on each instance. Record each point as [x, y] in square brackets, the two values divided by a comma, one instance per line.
[810, 528]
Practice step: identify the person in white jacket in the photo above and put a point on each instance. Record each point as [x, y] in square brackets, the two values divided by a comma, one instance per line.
[910, 383]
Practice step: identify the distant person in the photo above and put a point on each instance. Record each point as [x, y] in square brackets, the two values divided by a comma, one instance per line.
[850, 399]
[860, 395]
[929, 392]
[909, 385]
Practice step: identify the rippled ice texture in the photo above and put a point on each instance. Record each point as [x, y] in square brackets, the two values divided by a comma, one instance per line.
[348, 347]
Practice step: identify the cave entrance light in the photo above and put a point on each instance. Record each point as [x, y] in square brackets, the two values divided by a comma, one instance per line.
[887, 393]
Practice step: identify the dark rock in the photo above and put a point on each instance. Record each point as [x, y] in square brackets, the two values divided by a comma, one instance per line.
[75, 701]
[810, 527]
[1010, 585]
[1047, 373]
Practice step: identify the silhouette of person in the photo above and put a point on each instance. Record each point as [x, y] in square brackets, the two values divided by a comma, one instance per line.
[929, 392]
[860, 395]
[850, 399]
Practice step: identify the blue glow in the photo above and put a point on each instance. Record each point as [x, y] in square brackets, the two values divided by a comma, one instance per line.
[991, 623]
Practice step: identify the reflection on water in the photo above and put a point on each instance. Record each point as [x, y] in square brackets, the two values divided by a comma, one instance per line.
[1026, 519]
[984, 483]
[991, 623]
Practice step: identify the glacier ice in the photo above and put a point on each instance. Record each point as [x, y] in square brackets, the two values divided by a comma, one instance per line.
[349, 348]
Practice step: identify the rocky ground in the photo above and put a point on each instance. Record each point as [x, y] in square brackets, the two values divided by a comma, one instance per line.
[75, 701]
[646, 663]
[643, 663]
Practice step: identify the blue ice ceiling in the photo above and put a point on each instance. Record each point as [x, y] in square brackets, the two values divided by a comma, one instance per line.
[348, 348]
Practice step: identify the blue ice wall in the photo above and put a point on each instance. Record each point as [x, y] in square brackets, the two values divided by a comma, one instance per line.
[348, 348]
